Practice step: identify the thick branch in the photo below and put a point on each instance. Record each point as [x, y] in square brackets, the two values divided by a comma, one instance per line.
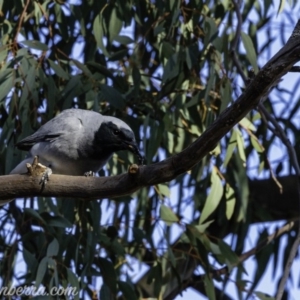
[67, 186]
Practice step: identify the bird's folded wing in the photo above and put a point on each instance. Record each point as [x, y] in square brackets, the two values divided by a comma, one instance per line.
[35, 138]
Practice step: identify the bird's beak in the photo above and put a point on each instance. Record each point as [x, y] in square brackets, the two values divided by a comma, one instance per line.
[134, 149]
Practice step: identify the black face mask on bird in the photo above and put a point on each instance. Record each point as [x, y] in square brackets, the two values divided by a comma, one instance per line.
[117, 138]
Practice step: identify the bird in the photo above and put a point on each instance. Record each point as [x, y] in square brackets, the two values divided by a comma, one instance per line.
[77, 141]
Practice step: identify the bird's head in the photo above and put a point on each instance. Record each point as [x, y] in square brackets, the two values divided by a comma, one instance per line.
[115, 135]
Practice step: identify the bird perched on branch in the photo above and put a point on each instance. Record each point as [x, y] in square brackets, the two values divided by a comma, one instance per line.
[77, 141]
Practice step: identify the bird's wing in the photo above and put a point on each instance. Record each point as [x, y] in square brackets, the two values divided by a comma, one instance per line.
[48, 132]
[35, 138]
[68, 123]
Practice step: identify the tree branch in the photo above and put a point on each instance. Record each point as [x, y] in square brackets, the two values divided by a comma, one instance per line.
[166, 170]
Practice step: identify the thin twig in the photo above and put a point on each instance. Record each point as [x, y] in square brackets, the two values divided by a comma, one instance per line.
[237, 5]
[21, 21]
[274, 176]
[236, 40]
[288, 266]
[281, 134]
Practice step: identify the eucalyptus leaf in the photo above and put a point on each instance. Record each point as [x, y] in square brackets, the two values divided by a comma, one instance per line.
[167, 215]
[35, 45]
[250, 51]
[214, 197]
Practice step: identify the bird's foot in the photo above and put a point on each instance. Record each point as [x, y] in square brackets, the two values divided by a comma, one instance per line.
[90, 174]
[37, 169]
[45, 177]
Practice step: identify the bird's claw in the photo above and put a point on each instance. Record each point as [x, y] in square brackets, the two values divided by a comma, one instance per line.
[45, 177]
[90, 174]
[37, 169]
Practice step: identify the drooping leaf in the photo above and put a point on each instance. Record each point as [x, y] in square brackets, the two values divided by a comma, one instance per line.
[263, 296]
[230, 201]
[108, 274]
[58, 69]
[53, 248]
[127, 291]
[35, 45]
[112, 96]
[42, 268]
[209, 288]
[214, 197]
[167, 215]
[250, 51]
[202, 227]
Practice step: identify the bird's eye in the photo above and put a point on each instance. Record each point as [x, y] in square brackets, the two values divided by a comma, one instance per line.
[116, 132]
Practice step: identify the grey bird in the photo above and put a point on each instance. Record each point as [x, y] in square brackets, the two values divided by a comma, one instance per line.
[77, 141]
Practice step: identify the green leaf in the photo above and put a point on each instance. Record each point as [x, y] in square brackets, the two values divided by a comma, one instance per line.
[231, 147]
[59, 71]
[263, 296]
[127, 290]
[115, 24]
[43, 265]
[7, 82]
[226, 94]
[118, 55]
[108, 274]
[74, 284]
[214, 197]
[136, 77]
[250, 51]
[99, 33]
[167, 215]
[82, 67]
[246, 123]
[230, 201]
[112, 96]
[229, 255]
[105, 293]
[3, 53]
[241, 146]
[159, 28]
[70, 91]
[202, 227]
[37, 13]
[209, 288]
[123, 39]
[256, 144]
[215, 249]
[58, 221]
[155, 277]
[166, 50]
[35, 45]
[53, 248]
[32, 213]
[280, 7]
[211, 31]
[30, 260]
[29, 86]
[164, 189]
